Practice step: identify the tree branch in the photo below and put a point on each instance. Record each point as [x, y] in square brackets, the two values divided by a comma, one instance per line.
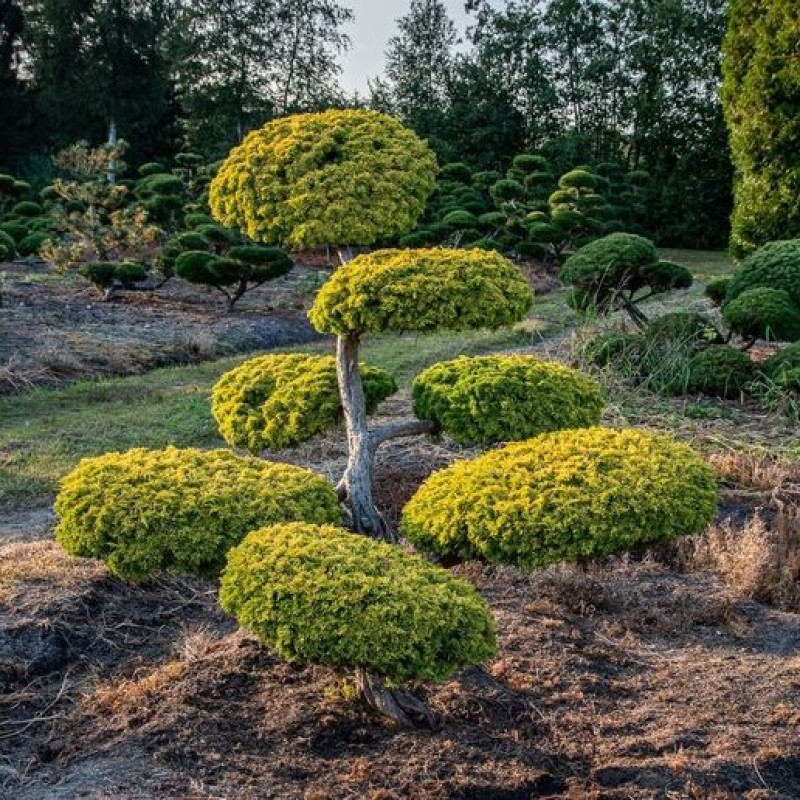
[386, 432]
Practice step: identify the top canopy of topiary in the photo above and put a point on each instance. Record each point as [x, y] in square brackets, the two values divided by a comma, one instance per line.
[611, 273]
[421, 290]
[333, 178]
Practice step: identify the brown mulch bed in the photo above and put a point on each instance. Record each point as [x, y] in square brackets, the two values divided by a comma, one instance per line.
[623, 680]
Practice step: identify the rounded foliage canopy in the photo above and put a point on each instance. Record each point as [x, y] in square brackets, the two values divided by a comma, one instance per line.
[619, 262]
[337, 177]
[181, 510]
[720, 371]
[776, 265]
[563, 496]
[422, 290]
[491, 399]
[279, 401]
[324, 595]
[764, 313]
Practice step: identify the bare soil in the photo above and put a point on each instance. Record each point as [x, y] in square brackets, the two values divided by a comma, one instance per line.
[56, 328]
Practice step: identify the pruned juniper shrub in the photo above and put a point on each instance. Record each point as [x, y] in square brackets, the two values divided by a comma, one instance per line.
[528, 397]
[110, 276]
[240, 270]
[720, 371]
[618, 272]
[350, 602]
[181, 510]
[569, 495]
[279, 401]
[763, 313]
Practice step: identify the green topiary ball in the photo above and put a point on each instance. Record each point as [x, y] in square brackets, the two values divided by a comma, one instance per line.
[491, 399]
[456, 171]
[151, 168]
[27, 208]
[720, 371]
[16, 230]
[422, 290]
[191, 241]
[325, 596]
[195, 266]
[764, 313]
[717, 289]
[7, 247]
[33, 243]
[181, 510]
[343, 177]
[776, 266]
[279, 401]
[460, 219]
[195, 219]
[619, 261]
[563, 496]
[263, 263]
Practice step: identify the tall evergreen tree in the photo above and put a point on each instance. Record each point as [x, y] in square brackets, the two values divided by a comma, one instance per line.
[761, 94]
[98, 63]
[16, 117]
[419, 60]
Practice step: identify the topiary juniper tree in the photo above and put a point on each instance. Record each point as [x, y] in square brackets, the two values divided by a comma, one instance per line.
[618, 272]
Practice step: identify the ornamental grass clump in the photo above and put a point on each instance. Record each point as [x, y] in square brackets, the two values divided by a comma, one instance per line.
[490, 399]
[279, 401]
[565, 496]
[322, 595]
[180, 510]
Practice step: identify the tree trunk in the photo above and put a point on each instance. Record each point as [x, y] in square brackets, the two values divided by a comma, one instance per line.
[400, 706]
[357, 480]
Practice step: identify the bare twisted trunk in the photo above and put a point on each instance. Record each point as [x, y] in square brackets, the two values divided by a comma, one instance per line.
[356, 486]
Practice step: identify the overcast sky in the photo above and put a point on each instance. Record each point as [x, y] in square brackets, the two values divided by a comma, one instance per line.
[374, 25]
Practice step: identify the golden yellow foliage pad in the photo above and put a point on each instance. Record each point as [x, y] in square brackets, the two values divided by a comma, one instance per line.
[336, 177]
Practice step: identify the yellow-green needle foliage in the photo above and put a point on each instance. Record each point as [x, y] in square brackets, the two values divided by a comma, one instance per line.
[337, 177]
[492, 399]
[422, 290]
[279, 401]
[325, 596]
[563, 496]
[181, 510]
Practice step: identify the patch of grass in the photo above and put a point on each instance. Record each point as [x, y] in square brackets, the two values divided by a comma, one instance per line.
[704, 264]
